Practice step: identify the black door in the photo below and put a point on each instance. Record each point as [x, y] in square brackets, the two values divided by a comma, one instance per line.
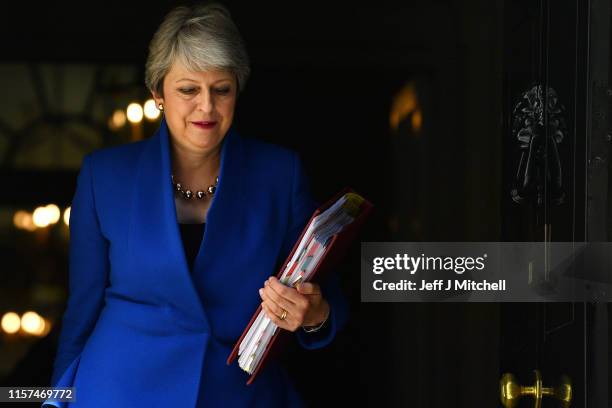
[555, 188]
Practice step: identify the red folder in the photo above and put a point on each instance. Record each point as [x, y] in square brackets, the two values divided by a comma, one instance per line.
[334, 252]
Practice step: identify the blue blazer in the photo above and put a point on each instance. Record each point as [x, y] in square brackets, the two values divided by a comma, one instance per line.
[142, 330]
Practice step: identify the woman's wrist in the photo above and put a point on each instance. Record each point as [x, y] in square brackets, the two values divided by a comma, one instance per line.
[317, 327]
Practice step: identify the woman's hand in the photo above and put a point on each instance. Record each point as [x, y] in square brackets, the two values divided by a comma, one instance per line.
[304, 306]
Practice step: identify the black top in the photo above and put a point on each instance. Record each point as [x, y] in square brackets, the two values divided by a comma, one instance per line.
[192, 235]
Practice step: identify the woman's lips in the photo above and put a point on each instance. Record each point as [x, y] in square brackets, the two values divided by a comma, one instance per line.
[205, 125]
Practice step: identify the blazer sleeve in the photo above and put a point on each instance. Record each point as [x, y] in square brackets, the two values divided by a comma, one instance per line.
[303, 205]
[88, 272]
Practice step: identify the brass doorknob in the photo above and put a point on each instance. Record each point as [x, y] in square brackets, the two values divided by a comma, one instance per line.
[511, 392]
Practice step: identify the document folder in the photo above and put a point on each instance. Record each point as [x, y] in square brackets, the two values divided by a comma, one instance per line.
[334, 250]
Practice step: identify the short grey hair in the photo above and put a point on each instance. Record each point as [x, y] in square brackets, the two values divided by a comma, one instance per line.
[202, 37]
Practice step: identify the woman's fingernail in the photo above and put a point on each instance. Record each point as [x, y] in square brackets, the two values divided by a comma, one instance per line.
[260, 292]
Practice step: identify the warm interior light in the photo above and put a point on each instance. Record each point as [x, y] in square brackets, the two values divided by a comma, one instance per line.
[405, 103]
[150, 110]
[19, 219]
[41, 217]
[67, 216]
[134, 112]
[417, 120]
[32, 323]
[47, 327]
[118, 119]
[10, 322]
[28, 222]
[53, 212]
[43, 328]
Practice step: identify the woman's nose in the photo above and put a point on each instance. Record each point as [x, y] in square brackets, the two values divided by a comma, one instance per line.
[205, 102]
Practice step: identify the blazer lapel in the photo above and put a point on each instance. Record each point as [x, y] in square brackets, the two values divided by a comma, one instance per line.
[155, 239]
[225, 229]
[154, 231]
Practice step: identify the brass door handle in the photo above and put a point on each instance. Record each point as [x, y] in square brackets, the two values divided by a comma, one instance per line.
[511, 392]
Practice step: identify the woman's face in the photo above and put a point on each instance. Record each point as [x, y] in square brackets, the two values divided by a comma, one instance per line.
[193, 98]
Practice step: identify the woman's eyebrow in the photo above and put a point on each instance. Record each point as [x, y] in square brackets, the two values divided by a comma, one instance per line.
[193, 80]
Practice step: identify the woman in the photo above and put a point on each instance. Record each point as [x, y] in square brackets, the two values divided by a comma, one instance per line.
[173, 240]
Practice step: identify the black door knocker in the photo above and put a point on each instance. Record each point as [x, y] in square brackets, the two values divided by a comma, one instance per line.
[539, 166]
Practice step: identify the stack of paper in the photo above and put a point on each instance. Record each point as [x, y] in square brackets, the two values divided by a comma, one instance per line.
[299, 269]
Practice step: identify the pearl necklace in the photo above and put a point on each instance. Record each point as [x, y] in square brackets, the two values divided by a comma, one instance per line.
[188, 194]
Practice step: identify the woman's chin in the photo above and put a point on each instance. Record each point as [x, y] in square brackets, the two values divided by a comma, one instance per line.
[203, 141]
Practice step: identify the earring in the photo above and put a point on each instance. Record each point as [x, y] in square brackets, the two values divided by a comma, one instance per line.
[161, 107]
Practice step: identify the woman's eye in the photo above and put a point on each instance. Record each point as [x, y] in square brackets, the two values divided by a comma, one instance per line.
[222, 91]
[187, 91]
